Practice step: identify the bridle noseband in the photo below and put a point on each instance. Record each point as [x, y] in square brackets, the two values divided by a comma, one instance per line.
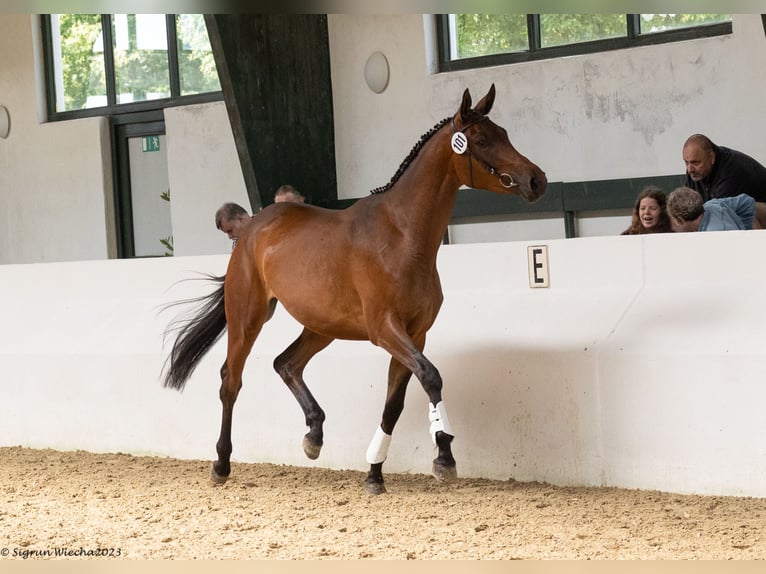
[505, 179]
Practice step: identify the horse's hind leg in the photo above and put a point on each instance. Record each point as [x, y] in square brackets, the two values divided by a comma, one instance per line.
[231, 383]
[222, 467]
[290, 365]
[398, 378]
[246, 320]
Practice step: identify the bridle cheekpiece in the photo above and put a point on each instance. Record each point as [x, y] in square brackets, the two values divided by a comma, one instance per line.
[460, 146]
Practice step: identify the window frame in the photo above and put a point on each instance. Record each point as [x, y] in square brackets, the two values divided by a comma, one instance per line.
[112, 107]
[632, 39]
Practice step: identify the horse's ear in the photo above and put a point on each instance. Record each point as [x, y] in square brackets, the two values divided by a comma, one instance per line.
[465, 107]
[485, 104]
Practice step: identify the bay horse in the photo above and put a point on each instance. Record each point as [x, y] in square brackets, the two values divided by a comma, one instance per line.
[366, 272]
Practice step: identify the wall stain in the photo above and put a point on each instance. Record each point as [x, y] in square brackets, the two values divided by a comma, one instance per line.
[616, 92]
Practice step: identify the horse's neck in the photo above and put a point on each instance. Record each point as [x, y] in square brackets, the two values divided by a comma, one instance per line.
[425, 194]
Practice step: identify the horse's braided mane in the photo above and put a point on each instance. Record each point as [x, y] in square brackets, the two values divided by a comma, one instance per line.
[411, 156]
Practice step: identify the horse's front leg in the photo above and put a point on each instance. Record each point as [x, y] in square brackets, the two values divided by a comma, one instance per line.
[408, 359]
[398, 377]
[444, 467]
[410, 354]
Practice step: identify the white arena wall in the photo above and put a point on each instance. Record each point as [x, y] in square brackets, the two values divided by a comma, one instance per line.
[640, 366]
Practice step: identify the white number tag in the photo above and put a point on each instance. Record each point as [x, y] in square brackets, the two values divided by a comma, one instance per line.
[459, 143]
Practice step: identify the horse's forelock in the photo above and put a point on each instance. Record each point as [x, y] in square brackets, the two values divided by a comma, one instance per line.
[472, 117]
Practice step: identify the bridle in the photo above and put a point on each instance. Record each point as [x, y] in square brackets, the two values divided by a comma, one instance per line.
[460, 146]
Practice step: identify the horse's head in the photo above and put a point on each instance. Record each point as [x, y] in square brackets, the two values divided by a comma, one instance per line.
[484, 156]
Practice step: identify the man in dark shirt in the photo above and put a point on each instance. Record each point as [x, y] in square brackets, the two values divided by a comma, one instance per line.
[717, 171]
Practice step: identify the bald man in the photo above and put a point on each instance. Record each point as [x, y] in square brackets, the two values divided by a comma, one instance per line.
[716, 171]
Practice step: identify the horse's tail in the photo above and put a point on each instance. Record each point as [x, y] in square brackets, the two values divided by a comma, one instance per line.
[195, 336]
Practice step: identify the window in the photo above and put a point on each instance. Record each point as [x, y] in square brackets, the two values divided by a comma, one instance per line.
[140, 53]
[104, 63]
[196, 66]
[129, 67]
[78, 61]
[476, 40]
[563, 29]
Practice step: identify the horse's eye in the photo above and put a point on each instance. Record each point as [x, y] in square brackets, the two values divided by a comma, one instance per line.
[481, 143]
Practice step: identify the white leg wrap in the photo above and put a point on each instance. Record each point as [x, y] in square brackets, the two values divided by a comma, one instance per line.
[378, 449]
[439, 421]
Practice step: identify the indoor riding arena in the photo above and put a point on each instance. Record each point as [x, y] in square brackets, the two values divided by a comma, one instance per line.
[605, 392]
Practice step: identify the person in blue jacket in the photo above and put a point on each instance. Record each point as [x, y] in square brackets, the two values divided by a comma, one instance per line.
[689, 212]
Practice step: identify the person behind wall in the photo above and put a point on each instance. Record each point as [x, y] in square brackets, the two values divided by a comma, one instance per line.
[288, 193]
[231, 218]
[716, 171]
[649, 213]
[689, 212]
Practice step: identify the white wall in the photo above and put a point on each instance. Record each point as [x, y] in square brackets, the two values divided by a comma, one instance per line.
[55, 178]
[641, 366]
[601, 116]
[490, 229]
[204, 173]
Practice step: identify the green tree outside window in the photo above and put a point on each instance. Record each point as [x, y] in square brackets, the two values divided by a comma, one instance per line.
[476, 35]
[140, 57]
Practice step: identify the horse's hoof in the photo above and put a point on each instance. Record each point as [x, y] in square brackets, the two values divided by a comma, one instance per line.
[444, 473]
[217, 478]
[375, 488]
[312, 450]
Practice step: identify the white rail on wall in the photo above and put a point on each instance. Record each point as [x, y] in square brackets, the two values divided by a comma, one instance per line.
[640, 366]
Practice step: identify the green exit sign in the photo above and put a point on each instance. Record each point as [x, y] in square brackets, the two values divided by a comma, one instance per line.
[151, 143]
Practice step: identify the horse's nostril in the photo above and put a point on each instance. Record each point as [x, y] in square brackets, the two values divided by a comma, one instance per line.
[538, 183]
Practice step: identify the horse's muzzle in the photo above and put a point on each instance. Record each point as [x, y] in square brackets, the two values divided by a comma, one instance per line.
[534, 188]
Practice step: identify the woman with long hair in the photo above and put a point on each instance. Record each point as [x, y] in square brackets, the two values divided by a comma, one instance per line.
[650, 214]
